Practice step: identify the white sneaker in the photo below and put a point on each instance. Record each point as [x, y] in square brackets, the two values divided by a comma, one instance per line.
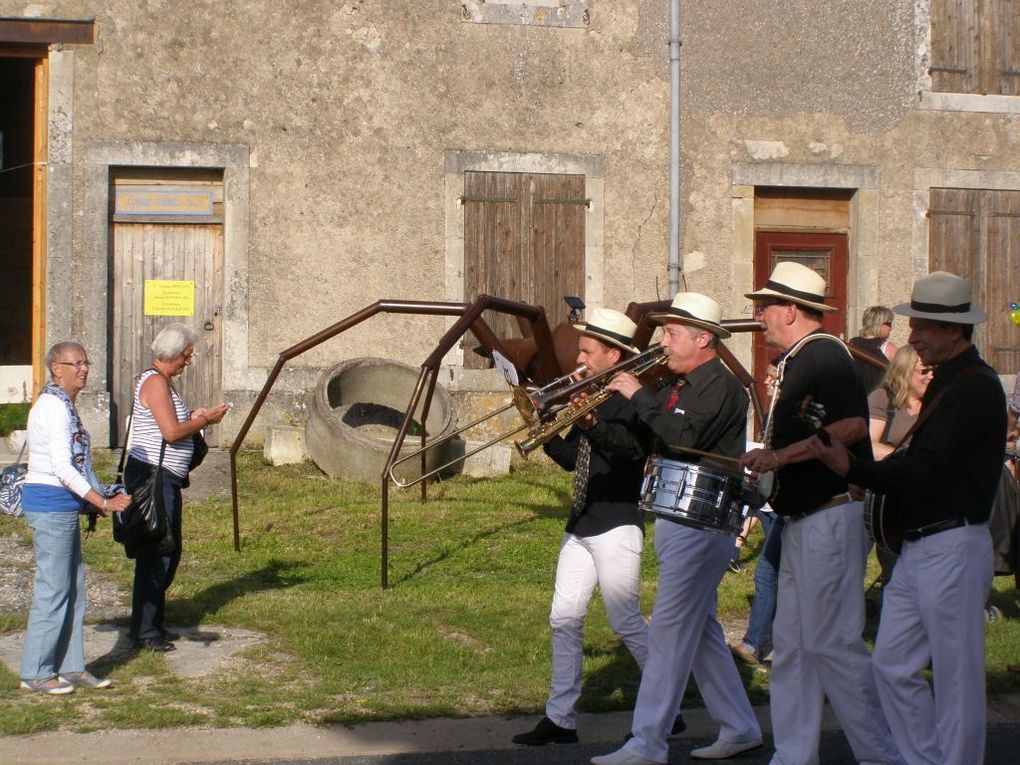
[622, 757]
[722, 750]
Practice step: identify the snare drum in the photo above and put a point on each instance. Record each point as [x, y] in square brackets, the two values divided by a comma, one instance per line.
[693, 495]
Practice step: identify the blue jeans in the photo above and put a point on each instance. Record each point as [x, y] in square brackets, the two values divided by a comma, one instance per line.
[54, 643]
[154, 573]
[766, 585]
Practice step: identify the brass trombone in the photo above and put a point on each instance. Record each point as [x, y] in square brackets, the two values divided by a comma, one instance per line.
[546, 411]
[529, 403]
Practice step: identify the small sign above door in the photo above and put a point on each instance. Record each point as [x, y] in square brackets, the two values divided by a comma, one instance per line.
[163, 202]
[164, 297]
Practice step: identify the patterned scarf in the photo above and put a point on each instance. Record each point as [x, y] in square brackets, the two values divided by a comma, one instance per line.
[81, 442]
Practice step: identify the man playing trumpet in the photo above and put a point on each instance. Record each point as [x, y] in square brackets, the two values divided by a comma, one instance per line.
[705, 411]
[603, 538]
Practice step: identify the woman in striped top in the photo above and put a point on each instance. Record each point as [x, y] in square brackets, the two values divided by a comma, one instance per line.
[158, 414]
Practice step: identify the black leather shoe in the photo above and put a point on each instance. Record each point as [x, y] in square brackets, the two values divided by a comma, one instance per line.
[157, 645]
[546, 732]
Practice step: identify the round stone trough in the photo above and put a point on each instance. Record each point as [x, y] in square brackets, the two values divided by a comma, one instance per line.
[356, 412]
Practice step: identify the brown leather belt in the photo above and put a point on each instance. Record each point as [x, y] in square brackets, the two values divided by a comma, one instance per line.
[839, 499]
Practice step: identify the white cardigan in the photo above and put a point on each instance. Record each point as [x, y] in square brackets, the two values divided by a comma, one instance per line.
[49, 447]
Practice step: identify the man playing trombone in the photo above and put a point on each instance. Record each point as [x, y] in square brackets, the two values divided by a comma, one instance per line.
[705, 411]
[603, 538]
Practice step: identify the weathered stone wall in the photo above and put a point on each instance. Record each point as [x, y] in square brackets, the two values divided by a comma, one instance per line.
[350, 108]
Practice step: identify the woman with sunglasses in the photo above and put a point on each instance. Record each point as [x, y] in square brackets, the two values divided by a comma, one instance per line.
[895, 403]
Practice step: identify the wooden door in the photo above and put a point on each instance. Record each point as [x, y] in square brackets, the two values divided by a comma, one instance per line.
[171, 253]
[523, 240]
[827, 254]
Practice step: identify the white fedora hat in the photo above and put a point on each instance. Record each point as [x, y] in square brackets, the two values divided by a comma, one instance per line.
[941, 296]
[795, 283]
[611, 327]
[694, 309]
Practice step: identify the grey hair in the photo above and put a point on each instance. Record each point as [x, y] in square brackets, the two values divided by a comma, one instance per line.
[58, 350]
[172, 340]
[874, 317]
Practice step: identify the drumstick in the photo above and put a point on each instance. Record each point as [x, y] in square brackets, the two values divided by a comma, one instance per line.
[710, 455]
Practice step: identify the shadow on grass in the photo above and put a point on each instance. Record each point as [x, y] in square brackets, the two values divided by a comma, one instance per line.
[192, 611]
[425, 565]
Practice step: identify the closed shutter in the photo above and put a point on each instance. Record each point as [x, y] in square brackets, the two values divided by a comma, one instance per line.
[954, 46]
[1005, 25]
[523, 241]
[976, 233]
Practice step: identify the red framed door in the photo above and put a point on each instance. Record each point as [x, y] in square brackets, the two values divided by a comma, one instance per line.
[828, 254]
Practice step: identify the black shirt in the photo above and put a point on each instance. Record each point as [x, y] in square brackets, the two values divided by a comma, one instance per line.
[870, 376]
[824, 370]
[710, 414]
[951, 468]
[614, 481]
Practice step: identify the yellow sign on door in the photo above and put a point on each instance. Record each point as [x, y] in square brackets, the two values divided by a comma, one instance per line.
[164, 297]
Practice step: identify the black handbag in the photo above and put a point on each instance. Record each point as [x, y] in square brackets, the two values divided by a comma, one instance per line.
[199, 449]
[144, 522]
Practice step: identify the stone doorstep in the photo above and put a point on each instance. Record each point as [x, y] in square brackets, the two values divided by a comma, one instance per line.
[200, 650]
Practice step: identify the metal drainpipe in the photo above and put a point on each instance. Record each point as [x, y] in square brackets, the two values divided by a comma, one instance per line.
[675, 261]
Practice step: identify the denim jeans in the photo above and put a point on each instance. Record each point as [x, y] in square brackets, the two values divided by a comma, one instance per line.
[54, 642]
[766, 581]
[155, 573]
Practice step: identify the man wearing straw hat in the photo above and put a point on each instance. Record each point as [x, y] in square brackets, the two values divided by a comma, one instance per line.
[818, 650]
[706, 411]
[603, 538]
[940, 489]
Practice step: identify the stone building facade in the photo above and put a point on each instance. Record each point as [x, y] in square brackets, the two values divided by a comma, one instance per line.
[296, 162]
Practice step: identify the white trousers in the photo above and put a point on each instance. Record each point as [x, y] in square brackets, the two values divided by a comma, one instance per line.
[933, 610]
[818, 650]
[613, 562]
[685, 636]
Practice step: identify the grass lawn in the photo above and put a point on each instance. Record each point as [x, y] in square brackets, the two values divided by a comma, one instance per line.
[462, 630]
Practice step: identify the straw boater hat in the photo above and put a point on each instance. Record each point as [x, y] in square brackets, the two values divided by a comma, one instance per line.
[611, 327]
[796, 283]
[941, 296]
[694, 309]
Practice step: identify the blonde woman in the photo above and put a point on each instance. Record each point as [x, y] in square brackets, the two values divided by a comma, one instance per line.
[895, 403]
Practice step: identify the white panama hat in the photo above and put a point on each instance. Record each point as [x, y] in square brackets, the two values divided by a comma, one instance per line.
[795, 283]
[611, 327]
[941, 296]
[694, 309]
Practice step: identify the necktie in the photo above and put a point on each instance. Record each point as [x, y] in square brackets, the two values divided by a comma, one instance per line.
[674, 395]
[581, 477]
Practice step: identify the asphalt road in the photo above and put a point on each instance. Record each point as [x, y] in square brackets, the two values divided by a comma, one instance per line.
[1003, 749]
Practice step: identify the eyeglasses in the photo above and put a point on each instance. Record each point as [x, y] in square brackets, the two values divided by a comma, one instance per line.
[76, 364]
[925, 371]
[887, 323]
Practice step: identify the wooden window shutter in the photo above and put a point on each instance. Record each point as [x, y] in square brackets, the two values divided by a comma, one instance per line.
[1001, 278]
[953, 231]
[523, 241]
[954, 46]
[1004, 64]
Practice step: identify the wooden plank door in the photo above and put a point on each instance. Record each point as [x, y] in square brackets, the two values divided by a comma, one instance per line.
[828, 254]
[160, 248]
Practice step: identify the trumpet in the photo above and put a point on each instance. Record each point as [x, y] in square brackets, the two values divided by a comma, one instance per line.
[596, 387]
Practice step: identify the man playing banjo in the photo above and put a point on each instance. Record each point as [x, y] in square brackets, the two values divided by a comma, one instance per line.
[706, 411]
[818, 650]
[941, 490]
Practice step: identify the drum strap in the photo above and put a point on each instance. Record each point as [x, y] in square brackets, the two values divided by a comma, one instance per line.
[581, 468]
